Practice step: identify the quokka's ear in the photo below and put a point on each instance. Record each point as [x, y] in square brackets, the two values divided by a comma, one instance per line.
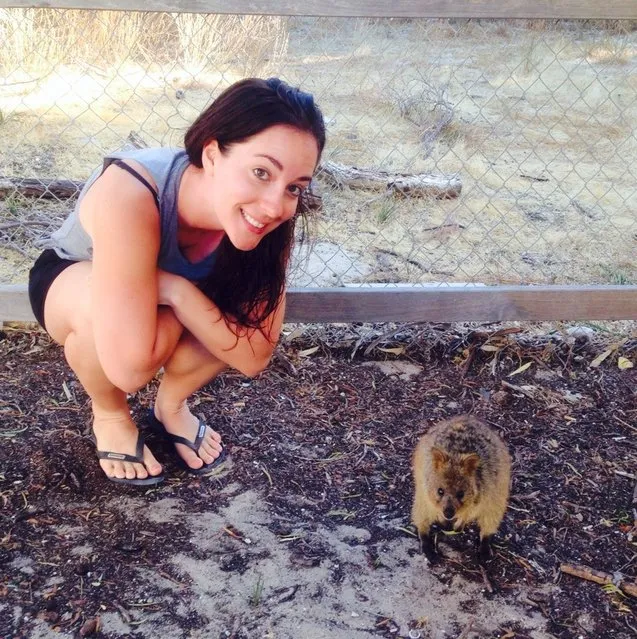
[440, 458]
[470, 463]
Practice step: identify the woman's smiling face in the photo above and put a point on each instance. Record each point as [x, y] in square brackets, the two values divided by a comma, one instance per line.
[255, 185]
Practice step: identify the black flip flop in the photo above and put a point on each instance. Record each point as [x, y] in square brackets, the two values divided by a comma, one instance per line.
[137, 458]
[156, 426]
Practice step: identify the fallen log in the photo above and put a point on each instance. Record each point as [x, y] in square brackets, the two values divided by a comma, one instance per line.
[599, 577]
[338, 175]
[415, 184]
[36, 187]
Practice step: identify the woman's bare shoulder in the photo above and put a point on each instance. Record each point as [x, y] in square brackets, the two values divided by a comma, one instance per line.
[119, 200]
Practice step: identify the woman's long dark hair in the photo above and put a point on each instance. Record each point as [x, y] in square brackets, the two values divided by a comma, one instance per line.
[247, 285]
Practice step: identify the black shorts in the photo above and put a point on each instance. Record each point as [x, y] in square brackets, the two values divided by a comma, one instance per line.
[46, 268]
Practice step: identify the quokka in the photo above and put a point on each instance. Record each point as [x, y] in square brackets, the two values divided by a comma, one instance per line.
[462, 473]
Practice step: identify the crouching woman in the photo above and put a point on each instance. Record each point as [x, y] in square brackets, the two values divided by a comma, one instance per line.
[177, 258]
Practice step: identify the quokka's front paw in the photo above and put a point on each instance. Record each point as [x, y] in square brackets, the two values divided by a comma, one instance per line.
[428, 548]
[485, 552]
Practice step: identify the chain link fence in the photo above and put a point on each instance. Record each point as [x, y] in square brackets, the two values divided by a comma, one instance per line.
[459, 151]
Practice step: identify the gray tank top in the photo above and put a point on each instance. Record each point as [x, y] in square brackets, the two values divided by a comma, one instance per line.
[167, 166]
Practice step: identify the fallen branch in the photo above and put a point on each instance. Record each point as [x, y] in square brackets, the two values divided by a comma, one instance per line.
[36, 187]
[485, 578]
[599, 577]
[417, 184]
[339, 175]
[11, 225]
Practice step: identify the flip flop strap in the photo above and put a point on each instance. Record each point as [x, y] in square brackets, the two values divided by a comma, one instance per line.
[186, 442]
[137, 458]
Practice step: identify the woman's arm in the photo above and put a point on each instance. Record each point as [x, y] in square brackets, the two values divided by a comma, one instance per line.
[246, 350]
[132, 337]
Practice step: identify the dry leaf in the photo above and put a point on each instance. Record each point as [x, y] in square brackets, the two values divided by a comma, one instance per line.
[520, 370]
[528, 389]
[399, 350]
[308, 351]
[67, 392]
[624, 363]
[600, 358]
[91, 626]
[489, 348]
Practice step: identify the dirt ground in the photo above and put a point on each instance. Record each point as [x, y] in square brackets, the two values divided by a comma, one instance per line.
[305, 532]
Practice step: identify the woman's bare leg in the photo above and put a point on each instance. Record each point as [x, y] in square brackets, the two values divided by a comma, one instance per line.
[189, 368]
[67, 317]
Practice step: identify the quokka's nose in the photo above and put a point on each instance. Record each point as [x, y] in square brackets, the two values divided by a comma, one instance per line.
[449, 512]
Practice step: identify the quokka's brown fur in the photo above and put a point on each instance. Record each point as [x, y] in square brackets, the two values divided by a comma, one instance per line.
[462, 472]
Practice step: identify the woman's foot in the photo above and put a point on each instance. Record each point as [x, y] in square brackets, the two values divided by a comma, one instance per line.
[178, 420]
[116, 434]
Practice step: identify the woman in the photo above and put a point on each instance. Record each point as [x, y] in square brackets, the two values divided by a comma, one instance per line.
[177, 258]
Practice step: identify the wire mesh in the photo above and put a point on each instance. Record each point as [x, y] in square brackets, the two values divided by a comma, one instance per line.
[459, 151]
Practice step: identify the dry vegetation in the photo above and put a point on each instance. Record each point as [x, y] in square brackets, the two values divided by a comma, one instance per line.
[536, 118]
[194, 40]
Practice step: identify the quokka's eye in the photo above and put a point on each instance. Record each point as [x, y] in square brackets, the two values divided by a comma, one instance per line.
[460, 495]
[441, 492]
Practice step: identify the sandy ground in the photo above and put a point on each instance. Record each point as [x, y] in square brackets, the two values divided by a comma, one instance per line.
[341, 597]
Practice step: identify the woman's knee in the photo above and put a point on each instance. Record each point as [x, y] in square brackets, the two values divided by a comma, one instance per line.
[67, 303]
[254, 367]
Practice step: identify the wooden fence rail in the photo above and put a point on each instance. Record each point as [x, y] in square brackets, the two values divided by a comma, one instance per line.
[425, 304]
[574, 9]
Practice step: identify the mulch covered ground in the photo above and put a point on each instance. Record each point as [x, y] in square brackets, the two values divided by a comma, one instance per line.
[325, 421]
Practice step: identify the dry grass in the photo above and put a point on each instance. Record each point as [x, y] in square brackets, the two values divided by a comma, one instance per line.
[193, 40]
[535, 117]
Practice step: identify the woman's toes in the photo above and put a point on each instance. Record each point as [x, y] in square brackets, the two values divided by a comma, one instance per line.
[212, 442]
[214, 435]
[130, 471]
[152, 465]
[119, 471]
[108, 467]
[206, 455]
[191, 458]
[140, 471]
[209, 451]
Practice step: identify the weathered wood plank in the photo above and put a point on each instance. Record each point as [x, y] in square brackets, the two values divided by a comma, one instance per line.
[612, 9]
[451, 304]
[14, 304]
[432, 304]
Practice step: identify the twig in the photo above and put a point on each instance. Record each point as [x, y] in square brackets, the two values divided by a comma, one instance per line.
[465, 633]
[444, 226]
[381, 338]
[485, 578]
[623, 473]
[10, 225]
[467, 364]
[534, 178]
[623, 423]
[599, 577]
